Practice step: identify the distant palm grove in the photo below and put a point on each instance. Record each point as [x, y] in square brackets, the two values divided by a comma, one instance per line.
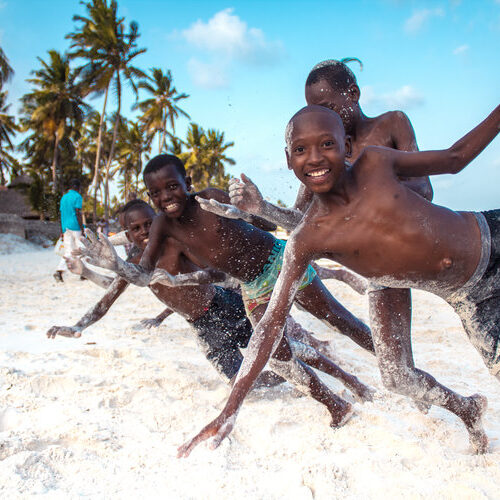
[59, 136]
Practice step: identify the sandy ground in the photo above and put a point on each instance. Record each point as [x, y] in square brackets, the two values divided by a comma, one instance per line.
[102, 416]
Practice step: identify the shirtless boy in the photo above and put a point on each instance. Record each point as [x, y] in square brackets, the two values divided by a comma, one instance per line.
[242, 251]
[333, 85]
[217, 315]
[362, 216]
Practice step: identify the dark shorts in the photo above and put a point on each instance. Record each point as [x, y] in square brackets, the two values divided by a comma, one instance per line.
[222, 330]
[478, 305]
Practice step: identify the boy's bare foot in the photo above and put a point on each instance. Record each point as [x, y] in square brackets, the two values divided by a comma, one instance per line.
[341, 412]
[473, 422]
[422, 406]
[362, 393]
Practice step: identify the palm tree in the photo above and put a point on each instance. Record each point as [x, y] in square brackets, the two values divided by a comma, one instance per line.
[218, 159]
[109, 49]
[205, 157]
[161, 107]
[131, 147]
[8, 127]
[55, 108]
[6, 70]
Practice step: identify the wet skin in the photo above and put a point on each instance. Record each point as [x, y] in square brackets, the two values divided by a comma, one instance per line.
[363, 216]
[392, 129]
[189, 301]
[381, 228]
[232, 246]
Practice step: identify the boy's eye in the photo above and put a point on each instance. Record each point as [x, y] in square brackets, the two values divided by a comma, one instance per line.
[173, 187]
[299, 149]
[328, 144]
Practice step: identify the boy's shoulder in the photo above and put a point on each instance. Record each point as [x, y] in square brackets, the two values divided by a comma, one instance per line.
[392, 120]
[371, 160]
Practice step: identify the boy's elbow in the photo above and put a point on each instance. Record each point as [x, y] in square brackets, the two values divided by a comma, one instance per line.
[455, 161]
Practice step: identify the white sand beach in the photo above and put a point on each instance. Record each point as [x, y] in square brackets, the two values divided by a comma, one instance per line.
[102, 416]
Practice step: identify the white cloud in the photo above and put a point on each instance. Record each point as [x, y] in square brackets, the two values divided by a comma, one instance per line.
[208, 75]
[404, 98]
[462, 49]
[225, 34]
[419, 18]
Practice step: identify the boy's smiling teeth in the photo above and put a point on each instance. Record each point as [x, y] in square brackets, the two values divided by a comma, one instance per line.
[318, 173]
[171, 206]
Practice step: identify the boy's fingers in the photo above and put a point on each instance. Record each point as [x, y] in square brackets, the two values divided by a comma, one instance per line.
[185, 450]
[91, 236]
[246, 179]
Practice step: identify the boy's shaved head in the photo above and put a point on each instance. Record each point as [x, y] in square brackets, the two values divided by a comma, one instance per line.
[134, 205]
[160, 161]
[336, 73]
[310, 109]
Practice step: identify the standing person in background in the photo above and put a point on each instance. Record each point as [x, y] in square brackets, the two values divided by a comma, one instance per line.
[70, 209]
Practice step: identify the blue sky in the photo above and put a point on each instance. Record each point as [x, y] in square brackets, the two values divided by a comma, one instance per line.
[244, 64]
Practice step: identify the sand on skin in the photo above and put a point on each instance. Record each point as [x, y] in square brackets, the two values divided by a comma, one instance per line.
[103, 415]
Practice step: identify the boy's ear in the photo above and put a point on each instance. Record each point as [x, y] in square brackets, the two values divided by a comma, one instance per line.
[348, 146]
[288, 159]
[354, 92]
[187, 180]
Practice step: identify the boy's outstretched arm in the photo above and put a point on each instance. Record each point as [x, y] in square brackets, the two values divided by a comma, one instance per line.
[246, 196]
[78, 267]
[266, 337]
[217, 195]
[451, 160]
[201, 277]
[101, 253]
[403, 138]
[93, 315]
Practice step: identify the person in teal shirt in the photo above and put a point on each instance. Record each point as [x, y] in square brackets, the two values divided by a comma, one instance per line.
[71, 224]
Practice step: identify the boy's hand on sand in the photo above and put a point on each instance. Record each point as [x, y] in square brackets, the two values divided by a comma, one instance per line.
[221, 427]
[245, 195]
[147, 324]
[64, 331]
[75, 265]
[222, 209]
[100, 252]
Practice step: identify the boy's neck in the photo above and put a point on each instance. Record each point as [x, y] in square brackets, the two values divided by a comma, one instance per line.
[358, 122]
[339, 194]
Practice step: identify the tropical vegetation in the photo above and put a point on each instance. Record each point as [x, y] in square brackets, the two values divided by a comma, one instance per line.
[59, 135]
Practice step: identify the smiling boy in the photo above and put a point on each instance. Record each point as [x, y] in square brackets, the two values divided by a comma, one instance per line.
[242, 251]
[364, 217]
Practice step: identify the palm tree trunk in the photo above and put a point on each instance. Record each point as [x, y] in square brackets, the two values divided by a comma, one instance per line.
[55, 183]
[112, 150]
[98, 154]
[164, 134]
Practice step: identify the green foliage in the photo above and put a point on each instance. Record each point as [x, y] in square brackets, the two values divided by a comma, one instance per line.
[205, 157]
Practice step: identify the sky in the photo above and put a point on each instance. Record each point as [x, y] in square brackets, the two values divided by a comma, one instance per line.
[244, 65]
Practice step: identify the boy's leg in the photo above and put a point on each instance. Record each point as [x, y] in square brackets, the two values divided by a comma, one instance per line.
[395, 358]
[355, 281]
[284, 363]
[318, 301]
[313, 358]
[297, 332]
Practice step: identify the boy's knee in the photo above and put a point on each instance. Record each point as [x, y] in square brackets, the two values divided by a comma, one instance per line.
[400, 380]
